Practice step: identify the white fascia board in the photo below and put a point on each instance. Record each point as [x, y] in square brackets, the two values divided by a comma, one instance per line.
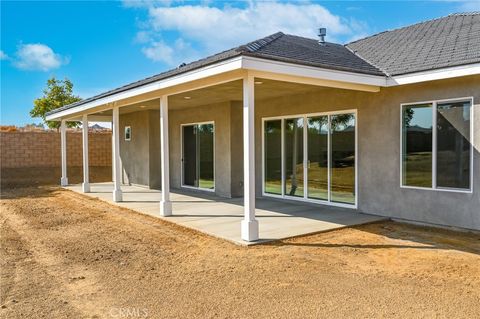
[440, 74]
[264, 65]
[207, 71]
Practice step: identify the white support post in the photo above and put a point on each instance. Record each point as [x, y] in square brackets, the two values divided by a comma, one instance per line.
[165, 203]
[113, 159]
[86, 184]
[117, 191]
[249, 223]
[63, 143]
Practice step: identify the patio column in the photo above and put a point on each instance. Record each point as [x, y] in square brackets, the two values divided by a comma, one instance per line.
[249, 223]
[117, 191]
[165, 203]
[113, 158]
[86, 184]
[63, 147]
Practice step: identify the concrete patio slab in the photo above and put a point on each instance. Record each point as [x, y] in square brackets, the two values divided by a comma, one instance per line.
[220, 217]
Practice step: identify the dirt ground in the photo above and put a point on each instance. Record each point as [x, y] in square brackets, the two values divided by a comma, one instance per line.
[64, 255]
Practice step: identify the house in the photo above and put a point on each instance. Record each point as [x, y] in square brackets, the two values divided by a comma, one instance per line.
[387, 125]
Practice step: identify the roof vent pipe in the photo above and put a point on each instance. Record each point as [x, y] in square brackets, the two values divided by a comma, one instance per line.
[322, 32]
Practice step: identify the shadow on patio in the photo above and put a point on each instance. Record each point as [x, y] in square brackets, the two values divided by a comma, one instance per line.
[220, 217]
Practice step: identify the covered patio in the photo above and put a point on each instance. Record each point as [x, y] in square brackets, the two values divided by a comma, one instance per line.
[220, 217]
[227, 99]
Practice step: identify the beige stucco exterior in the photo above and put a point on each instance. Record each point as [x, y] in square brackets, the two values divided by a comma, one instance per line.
[378, 124]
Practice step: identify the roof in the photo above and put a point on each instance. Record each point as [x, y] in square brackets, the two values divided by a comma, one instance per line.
[449, 41]
[278, 46]
[444, 42]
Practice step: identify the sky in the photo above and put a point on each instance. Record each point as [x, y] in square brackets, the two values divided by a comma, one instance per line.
[104, 45]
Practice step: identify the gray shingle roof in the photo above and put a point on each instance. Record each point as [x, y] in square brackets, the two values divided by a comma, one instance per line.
[305, 51]
[449, 41]
[444, 42]
[278, 46]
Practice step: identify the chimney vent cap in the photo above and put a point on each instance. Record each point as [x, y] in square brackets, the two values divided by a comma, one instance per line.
[322, 32]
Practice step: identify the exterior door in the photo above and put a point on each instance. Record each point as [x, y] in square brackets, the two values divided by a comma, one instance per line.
[198, 156]
[318, 157]
[190, 156]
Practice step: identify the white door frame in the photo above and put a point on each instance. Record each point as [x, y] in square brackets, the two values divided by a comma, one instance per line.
[305, 153]
[181, 158]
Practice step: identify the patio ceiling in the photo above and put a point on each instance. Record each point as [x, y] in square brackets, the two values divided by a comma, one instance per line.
[230, 91]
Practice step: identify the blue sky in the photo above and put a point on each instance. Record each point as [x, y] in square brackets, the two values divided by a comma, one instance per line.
[103, 45]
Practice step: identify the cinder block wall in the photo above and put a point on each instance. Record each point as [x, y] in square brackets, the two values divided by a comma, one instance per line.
[42, 149]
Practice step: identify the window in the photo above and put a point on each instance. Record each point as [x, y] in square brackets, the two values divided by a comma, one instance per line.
[128, 133]
[436, 145]
[417, 145]
[198, 156]
[311, 157]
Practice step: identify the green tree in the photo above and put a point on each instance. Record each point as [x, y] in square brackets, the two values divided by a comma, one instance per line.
[58, 93]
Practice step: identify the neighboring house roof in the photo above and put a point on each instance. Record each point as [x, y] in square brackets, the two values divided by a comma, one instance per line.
[444, 42]
[449, 41]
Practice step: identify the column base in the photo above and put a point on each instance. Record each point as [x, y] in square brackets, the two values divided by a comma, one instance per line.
[250, 230]
[64, 181]
[117, 195]
[86, 187]
[165, 208]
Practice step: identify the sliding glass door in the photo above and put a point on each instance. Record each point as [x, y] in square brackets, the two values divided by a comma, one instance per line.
[317, 165]
[273, 157]
[311, 157]
[293, 137]
[342, 158]
[198, 156]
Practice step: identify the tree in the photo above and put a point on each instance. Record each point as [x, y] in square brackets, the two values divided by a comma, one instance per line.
[57, 94]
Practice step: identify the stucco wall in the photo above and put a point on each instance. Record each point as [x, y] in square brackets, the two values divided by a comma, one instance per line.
[236, 142]
[378, 122]
[155, 178]
[136, 153]
[218, 113]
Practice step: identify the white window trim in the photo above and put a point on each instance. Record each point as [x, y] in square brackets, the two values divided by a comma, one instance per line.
[434, 104]
[305, 153]
[182, 185]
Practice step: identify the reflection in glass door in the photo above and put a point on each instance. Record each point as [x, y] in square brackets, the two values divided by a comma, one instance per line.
[273, 157]
[198, 156]
[293, 157]
[311, 158]
[317, 164]
[342, 185]
[189, 156]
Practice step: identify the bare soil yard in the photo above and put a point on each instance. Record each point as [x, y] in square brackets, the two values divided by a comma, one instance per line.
[64, 255]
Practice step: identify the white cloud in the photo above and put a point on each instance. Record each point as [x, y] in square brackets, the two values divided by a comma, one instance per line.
[470, 6]
[3, 56]
[38, 56]
[180, 51]
[159, 51]
[229, 26]
[212, 29]
[142, 37]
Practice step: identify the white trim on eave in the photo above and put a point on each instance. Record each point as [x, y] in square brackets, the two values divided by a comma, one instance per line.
[263, 67]
[204, 72]
[305, 71]
[431, 75]
[270, 69]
